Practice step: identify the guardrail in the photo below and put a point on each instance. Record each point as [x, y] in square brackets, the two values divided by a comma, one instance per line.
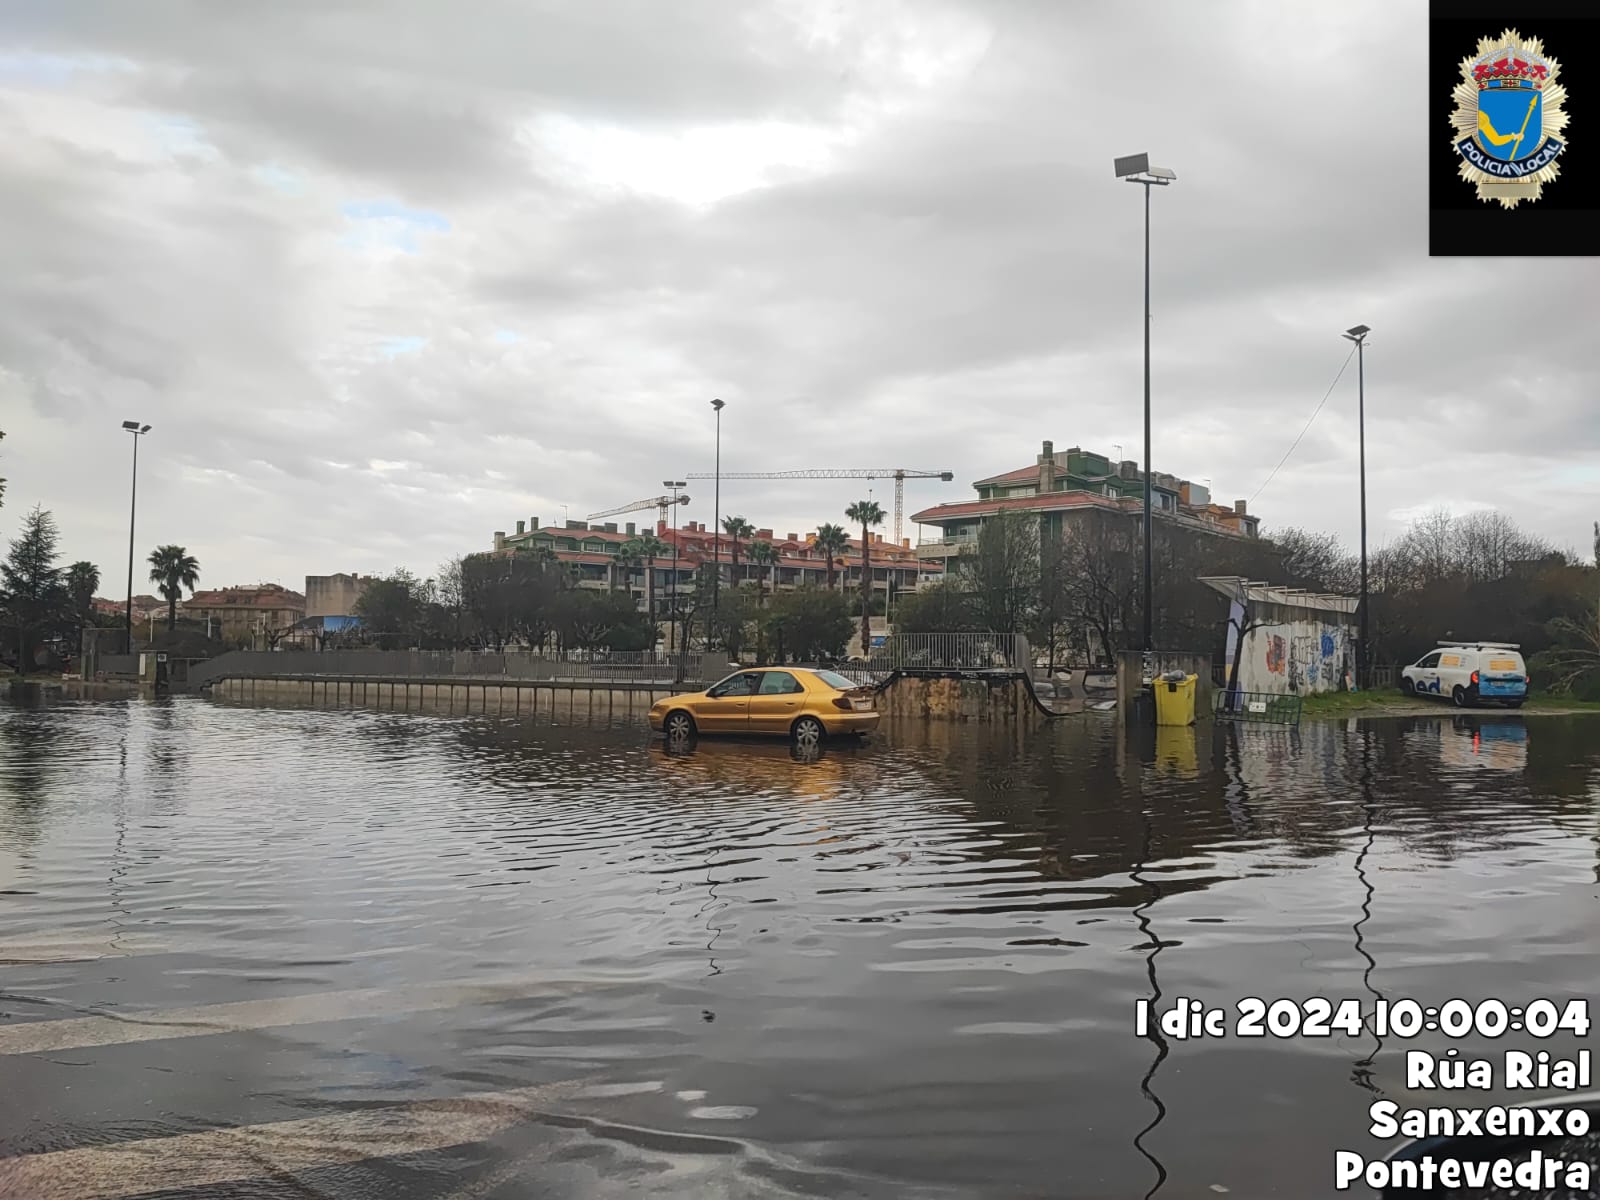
[619, 667]
[952, 652]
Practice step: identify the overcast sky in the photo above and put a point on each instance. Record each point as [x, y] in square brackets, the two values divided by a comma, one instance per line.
[386, 277]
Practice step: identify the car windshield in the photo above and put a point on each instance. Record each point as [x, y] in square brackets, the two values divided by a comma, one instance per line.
[835, 680]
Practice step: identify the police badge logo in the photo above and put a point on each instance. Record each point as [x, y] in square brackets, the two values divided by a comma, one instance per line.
[1508, 111]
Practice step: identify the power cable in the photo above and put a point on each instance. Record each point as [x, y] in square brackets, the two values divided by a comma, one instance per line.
[1307, 428]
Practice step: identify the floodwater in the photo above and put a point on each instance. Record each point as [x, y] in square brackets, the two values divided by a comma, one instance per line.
[275, 952]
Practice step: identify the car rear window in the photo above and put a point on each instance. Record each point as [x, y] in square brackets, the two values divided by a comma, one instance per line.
[835, 680]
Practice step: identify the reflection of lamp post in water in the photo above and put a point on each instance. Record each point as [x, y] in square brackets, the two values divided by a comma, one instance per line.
[1361, 1075]
[1154, 1031]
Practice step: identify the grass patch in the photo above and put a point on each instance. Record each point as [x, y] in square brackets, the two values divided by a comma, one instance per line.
[1394, 701]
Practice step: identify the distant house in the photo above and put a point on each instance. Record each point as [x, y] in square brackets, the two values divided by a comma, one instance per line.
[144, 607]
[334, 595]
[242, 612]
[1064, 488]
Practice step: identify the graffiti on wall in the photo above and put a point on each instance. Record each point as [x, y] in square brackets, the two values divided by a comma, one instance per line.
[1275, 654]
[1303, 656]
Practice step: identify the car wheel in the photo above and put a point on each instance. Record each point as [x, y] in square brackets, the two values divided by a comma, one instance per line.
[679, 726]
[808, 732]
[1459, 697]
[1408, 687]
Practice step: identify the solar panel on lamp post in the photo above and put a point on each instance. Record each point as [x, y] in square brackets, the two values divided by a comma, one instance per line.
[1136, 168]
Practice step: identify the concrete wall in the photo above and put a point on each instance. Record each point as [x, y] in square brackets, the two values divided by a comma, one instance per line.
[1296, 656]
[953, 699]
[1006, 700]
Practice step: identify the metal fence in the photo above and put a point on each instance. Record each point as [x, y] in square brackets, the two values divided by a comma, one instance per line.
[642, 666]
[1257, 708]
[952, 651]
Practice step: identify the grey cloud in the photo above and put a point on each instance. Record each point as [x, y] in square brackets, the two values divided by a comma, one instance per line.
[958, 282]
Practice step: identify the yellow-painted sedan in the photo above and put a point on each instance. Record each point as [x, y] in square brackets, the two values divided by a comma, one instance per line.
[796, 702]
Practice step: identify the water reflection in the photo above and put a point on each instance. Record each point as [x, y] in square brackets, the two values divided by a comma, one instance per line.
[914, 961]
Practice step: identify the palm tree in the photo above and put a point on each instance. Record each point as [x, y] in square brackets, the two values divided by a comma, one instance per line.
[83, 581]
[736, 528]
[626, 560]
[173, 568]
[765, 555]
[868, 513]
[647, 548]
[832, 541]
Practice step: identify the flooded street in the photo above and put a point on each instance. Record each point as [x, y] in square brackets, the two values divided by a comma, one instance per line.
[289, 952]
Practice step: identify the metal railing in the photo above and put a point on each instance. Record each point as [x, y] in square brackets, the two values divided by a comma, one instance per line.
[952, 652]
[1256, 708]
[643, 666]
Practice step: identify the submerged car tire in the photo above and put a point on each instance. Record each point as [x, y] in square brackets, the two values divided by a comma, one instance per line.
[678, 725]
[807, 731]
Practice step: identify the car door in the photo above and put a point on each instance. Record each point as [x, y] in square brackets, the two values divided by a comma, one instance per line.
[725, 708]
[778, 700]
[1427, 670]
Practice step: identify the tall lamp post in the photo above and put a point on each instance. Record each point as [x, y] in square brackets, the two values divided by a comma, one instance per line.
[1136, 168]
[677, 636]
[716, 525]
[1358, 335]
[138, 431]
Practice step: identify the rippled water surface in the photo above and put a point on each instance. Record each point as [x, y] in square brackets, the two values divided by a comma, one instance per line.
[359, 954]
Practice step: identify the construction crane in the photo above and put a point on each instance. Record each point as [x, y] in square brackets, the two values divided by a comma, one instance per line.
[898, 474]
[660, 503]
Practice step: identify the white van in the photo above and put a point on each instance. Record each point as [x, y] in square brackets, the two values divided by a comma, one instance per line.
[1469, 673]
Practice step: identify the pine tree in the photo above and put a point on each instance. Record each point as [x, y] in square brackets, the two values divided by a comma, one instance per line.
[36, 601]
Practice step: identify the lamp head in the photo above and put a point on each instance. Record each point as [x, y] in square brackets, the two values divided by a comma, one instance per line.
[131, 426]
[1356, 333]
[718, 405]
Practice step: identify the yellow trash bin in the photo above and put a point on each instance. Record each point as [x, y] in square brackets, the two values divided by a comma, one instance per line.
[1175, 700]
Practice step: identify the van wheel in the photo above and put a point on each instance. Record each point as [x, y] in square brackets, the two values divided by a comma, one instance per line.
[807, 732]
[679, 726]
[1459, 696]
[1408, 687]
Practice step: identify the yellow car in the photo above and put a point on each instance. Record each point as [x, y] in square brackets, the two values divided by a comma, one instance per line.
[798, 702]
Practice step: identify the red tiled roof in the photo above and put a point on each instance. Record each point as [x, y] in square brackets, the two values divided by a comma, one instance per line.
[271, 596]
[1020, 475]
[1050, 500]
[602, 535]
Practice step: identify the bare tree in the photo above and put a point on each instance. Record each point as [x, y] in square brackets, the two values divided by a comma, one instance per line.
[1002, 572]
[1101, 557]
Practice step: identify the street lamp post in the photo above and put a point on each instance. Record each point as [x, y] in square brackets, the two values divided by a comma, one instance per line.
[716, 525]
[138, 431]
[1136, 168]
[1358, 335]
